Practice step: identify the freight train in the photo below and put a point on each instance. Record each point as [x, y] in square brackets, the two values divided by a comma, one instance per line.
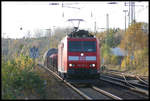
[77, 58]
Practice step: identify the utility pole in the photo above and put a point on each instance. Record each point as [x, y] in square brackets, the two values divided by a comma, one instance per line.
[131, 12]
[49, 34]
[107, 23]
[125, 18]
[95, 27]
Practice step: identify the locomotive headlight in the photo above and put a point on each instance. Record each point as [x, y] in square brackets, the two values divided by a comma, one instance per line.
[82, 54]
[70, 65]
[93, 65]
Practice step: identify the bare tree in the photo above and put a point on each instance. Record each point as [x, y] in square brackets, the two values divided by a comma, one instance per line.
[61, 32]
[38, 33]
[48, 33]
[28, 35]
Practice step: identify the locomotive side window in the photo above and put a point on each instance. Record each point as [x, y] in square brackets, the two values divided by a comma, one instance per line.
[82, 46]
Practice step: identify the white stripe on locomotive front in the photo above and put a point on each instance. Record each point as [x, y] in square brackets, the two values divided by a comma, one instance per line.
[88, 58]
[73, 57]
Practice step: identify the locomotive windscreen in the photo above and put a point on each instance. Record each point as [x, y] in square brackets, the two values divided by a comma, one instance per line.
[82, 46]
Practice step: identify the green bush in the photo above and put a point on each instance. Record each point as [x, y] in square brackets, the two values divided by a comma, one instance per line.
[16, 79]
[105, 53]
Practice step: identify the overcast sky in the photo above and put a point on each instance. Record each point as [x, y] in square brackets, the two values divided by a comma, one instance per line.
[42, 15]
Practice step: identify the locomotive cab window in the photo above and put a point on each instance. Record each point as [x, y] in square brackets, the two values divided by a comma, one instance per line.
[82, 46]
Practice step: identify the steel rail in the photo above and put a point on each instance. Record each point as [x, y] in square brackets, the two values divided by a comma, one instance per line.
[131, 88]
[95, 88]
[141, 80]
[129, 75]
[107, 93]
[127, 81]
[134, 76]
[80, 92]
[71, 86]
[132, 84]
[120, 80]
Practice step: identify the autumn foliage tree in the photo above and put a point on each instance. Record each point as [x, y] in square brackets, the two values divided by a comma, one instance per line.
[135, 42]
[135, 38]
[108, 41]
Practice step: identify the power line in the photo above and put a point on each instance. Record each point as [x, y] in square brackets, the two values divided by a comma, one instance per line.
[131, 12]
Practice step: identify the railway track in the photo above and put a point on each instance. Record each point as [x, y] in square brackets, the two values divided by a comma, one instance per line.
[97, 93]
[141, 79]
[90, 93]
[119, 91]
[113, 91]
[134, 81]
[124, 82]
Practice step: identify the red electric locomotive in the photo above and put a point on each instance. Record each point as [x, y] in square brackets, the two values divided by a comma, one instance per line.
[79, 57]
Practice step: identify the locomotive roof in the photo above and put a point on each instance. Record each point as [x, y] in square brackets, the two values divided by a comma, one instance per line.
[80, 34]
[77, 38]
